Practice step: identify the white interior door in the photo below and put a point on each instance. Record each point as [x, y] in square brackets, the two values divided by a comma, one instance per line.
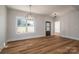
[57, 27]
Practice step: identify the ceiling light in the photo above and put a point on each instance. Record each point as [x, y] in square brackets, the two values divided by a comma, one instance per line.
[54, 15]
[29, 16]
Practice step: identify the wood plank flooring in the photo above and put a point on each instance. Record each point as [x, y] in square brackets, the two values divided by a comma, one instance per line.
[44, 45]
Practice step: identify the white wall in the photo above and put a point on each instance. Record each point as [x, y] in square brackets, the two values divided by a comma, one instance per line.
[70, 24]
[2, 26]
[39, 25]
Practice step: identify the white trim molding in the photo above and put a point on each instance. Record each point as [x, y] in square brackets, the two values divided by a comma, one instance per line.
[74, 38]
[16, 39]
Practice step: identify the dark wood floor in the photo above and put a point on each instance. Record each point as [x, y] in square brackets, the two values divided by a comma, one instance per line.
[44, 45]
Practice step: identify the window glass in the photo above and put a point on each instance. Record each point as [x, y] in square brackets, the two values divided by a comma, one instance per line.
[24, 25]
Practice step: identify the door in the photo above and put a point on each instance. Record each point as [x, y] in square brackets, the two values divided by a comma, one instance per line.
[48, 28]
[57, 28]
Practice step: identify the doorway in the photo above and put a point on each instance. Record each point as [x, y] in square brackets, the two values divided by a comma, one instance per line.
[48, 28]
[57, 28]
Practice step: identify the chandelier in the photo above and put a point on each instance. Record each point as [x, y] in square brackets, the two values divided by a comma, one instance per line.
[29, 16]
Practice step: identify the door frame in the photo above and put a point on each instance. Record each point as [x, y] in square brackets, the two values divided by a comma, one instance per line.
[54, 27]
[46, 27]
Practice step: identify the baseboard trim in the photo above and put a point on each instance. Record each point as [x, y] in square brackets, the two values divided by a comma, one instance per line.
[19, 39]
[3, 48]
[74, 38]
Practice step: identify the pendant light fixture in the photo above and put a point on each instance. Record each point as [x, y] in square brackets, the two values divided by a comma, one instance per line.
[29, 16]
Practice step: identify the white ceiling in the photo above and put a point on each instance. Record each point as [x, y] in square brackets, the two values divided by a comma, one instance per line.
[43, 9]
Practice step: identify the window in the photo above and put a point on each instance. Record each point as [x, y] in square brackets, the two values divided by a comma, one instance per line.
[24, 26]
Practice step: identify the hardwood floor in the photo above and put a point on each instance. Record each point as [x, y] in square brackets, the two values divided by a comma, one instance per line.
[44, 45]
